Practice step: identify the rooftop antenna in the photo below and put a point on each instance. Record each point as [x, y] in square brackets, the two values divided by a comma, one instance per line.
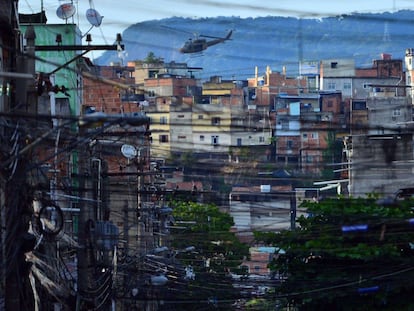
[386, 36]
[41, 11]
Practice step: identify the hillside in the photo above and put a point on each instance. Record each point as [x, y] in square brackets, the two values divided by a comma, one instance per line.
[269, 41]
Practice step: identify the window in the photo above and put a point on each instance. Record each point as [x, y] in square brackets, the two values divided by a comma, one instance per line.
[396, 112]
[289, 144]
[305, 136]
[214, 140]
[201, 137]
[238, 122]
[261, 139]
[314, 135]
[307, 107]
[62, 106]
[285, 125]
[182, 137]
[152, 73]
[163, 120]
[331, 86]
[281, 159]
[215, 121]
[293, 160]
[200, 117]
[163, 138]
[180, 116]
[239, 141]
[359, 105]
[334, 64]
[347, 85]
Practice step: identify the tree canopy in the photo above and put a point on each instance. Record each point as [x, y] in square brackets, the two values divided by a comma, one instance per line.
[348, 254]
[216, 251]
[152, 59]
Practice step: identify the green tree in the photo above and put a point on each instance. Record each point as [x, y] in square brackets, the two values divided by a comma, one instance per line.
[332, 154]
[152, 59]
[216, 253]
[188, 159]
[349, 254]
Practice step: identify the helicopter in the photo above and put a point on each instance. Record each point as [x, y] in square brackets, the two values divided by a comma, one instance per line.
[198, 45]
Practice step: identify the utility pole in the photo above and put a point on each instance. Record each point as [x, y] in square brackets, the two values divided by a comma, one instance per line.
[18, 191]
[293, 210]
[89, 213]
[17, 184]
[86, 223]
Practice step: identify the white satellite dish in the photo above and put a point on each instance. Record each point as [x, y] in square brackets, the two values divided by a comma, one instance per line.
[93, 17]
[158, 280]
[129, 151]
[65, 10]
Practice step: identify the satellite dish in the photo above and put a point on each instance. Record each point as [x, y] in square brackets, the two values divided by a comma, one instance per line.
[129, 151]
[66, 10]
[158, 280]
[93, 17]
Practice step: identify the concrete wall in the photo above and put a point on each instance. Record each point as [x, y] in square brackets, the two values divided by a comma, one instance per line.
[381, 164]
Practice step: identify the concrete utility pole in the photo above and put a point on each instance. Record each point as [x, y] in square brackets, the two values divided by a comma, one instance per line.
[17, 70]
[18, 294]
[86, 223]
[293, 211]
[26, 94]
[18, 191]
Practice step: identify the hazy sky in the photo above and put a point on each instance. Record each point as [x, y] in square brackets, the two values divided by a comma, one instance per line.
[119, 14]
